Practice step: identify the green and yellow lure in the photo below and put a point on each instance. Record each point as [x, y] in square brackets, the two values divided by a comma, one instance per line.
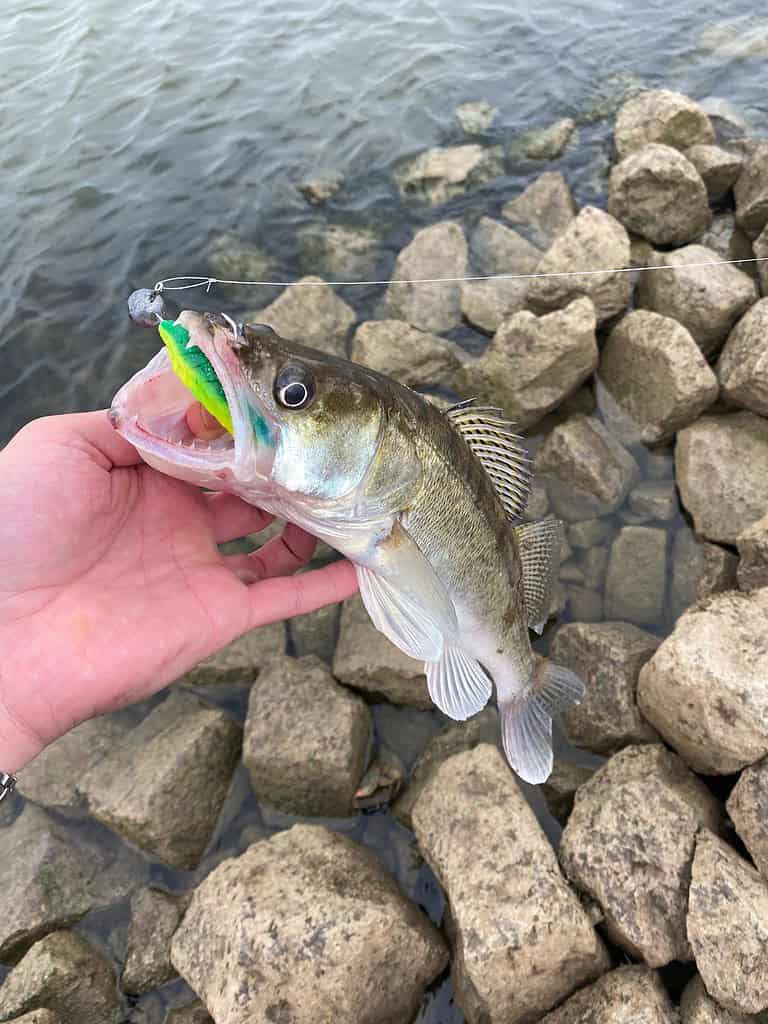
[195, 372]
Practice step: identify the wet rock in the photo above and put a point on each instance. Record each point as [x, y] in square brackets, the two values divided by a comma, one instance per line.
[487, 304]
[241, 660]
[163, 786]
[475, 117]
[706, 300]
[728, 926]
[313, 315]
[721, 465]
[659, 195]
[366, 660]
[593, 564]
[654, 499]
[381, 783]
[510, 907]
[718, 168]
[627, 995]
[560, 788]
[155, 916]
[698, 570]
[661, 116]
[339, 251]
[545, 143]
[590, 473]
[629, 844]
[443, 172]
[698, 1007]
[306, 739]
[587, 533]
[543, 210]
[254, 949]
[195, 1013]
[593, 239]
[584, 605]
[607, 656]
[538, 502]
[66, 975]
[748, 809]
[439, 250]
[320, 190]
[761, 252]
[316, 632]
[534, 362]
[653, 379]
[752, 571]
[706, 688]
[412, 357]
[751, 191]
[743, 364]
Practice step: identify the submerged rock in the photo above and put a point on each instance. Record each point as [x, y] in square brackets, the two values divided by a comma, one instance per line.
[155, 916]
[339, 251]
[698, 1007]
[743, 364]
[661, 115]
[475, 117]
[320, 190]
[748, 809]
[306, 926]
[544, 143]
[437, 251]
[560, 788]
[629, 844]
[412, 357]
[627, 995]
[443, 172]
[751, 191]
[313, 315]
[543, 210]
[706, 688]
[752, 571]
[636, 580]
[698, 570]
[231, 258]
[654, 499]
[239, 661]
[718, 168]
[521, 939]
[315, 632]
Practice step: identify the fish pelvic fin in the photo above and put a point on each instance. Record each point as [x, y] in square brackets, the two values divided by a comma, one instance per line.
[526, 719]
[458, 684]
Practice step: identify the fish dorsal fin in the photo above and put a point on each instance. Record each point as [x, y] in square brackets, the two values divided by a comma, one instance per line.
[540, 546]
[493, 440]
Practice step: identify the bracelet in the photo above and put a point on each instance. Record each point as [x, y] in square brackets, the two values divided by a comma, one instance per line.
[7, 785]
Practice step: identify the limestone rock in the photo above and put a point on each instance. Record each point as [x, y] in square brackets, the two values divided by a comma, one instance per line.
[721, 465]
[366, 660]
[66, 975]
[748, 808]
[627, 995]
[751, 191]
[339, 251]
[239, 661]
[706, 300]
[743, 364]
[313, 315]
[155, 916]
[475, 117]
[316, 632]
[560, 788]
[728, 926]
[654, 499]
[636, 580]
[698, 570]
[661, 116]
[594, 239]
[306, 926]
[706, 688]
[752, 571]
[533, 362]
[510, 907]
[698, 1007]
[163, 786]
[440, 173]
[487, 304]
[545, 143]
[653, 379]
[607, 656]
[306, 739]
[590, 473]
[412, 357]
[498, 249]
[629, 844]
[439, 250]
[543, 210]
[659, 195]
[718, 168]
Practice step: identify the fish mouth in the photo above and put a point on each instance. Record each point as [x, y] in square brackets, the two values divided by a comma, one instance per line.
[150, 411]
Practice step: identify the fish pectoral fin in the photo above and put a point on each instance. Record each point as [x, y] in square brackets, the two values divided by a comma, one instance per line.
[526, 719]
[540, 545]
[458, 684]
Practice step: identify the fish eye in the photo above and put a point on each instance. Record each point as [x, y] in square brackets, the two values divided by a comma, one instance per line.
[294, 387]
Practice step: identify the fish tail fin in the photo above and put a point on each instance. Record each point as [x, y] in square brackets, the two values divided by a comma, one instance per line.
[526, 719]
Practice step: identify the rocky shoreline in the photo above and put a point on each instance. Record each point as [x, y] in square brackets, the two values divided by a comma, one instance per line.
[291, 835]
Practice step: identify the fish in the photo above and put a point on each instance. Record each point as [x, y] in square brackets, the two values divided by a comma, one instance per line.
[427, 504]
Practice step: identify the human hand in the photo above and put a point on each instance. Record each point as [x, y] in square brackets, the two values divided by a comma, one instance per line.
[111, 583]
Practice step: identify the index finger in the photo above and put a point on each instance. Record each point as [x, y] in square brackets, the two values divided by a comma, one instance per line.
[282, 597]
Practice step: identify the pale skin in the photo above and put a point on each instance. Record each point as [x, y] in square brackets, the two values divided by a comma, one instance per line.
[111, 582]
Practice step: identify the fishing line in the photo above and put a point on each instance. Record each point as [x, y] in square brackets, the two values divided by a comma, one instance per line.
[168, 283]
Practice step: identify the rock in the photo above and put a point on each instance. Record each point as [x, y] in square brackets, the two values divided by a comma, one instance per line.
[661, 116]
[66, 975]
[654, 499]
[727, 119]
[306, 739]
[543, 210]
[653, 379]
[381, 783]
[155, 916]
[706, 300]
[590, 473]
[545, 143]
[584, 605]
[313, 315]
[742, 368]
[497, 249]
[725, 238]
[588, 533]
[718, 168]
[748, 809]
[240, 661]
[412, 357]
[594, 239]
[706, 688]
[195, 1013]
[627, 995]
[443, 172]
[476, 117]
[728, 926]
[487, 304]
[607, 656]
[752, 571]
[231, 258]
[437, 251]
[560, 788]
[761, 252]
[735, 39]
[366, 660]
[593, 564]
[254, 948]
[721, 465]
[320, 190]
[629, 844]
[163, 786]
[659, 195]
[38, 1017]
[316, 632]
[339, 251]
[751, 191]
[698, 570]
[538, 502]
[697, 1007]
[534, 362]
[510, 908]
